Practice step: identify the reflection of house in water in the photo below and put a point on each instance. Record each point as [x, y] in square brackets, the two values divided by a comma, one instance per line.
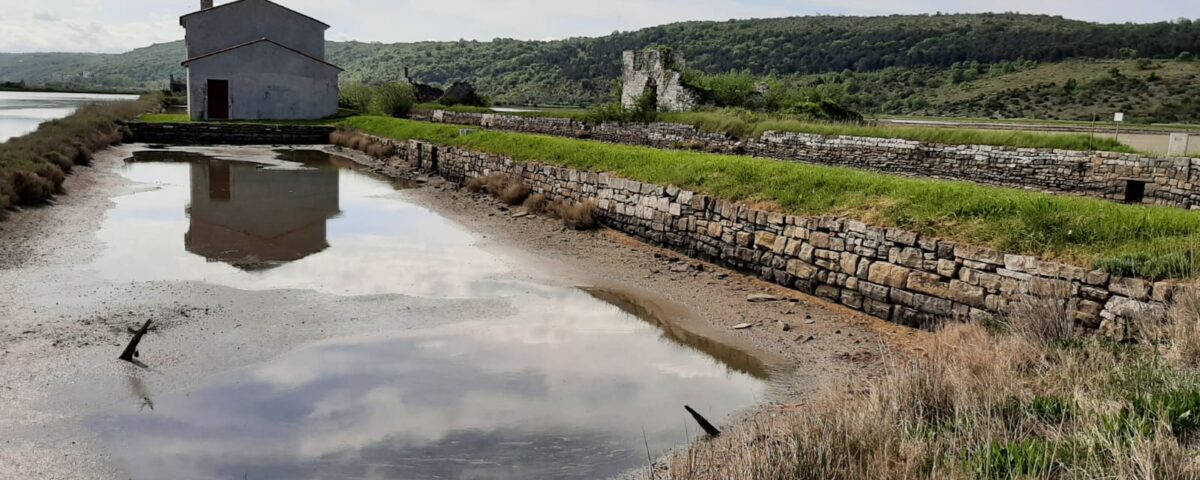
[254, 218]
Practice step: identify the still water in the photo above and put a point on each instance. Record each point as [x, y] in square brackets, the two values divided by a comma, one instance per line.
[22, 112]
[568, 384]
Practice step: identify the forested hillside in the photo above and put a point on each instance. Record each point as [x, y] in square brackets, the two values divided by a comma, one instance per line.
[879, 50]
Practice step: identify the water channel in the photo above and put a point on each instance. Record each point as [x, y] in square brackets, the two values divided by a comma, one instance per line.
[22, 112]
[571, 383]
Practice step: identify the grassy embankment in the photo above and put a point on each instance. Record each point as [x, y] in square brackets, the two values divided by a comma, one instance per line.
[745, 124]
[1151, 242]
[34, 166]
[1026, 398]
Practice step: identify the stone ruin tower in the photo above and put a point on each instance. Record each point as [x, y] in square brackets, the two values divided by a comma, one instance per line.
[657, 70]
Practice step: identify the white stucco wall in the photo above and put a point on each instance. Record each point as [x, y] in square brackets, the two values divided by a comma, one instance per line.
[266, 81]
[249, 20]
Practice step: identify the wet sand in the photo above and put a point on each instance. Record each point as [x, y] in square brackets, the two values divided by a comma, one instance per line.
[58, 343]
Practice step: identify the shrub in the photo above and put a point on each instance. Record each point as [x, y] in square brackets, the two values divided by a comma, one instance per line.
[615, 112]
[356, 96]
[733, 89]
[393, 99]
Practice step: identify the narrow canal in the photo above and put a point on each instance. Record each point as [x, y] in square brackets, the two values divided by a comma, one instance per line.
[561, 383]
[22, 112]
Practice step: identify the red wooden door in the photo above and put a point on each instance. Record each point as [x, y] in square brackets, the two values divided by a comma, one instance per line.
[218, 99]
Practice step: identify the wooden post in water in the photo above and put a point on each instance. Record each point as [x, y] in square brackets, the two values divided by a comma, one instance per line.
[708, 427]
[131, 349]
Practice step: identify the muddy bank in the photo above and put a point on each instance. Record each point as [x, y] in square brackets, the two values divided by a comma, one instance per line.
[65, 323]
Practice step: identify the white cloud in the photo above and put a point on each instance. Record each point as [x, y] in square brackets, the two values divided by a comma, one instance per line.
[82, 26]
[108, 26]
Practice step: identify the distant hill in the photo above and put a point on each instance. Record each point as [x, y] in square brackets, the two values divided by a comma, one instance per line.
[581, 70]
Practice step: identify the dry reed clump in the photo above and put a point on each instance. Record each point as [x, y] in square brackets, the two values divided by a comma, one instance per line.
[358, 141]
[476, 184]
[1184, 328]
[578, 215]
[381, 150]
[535, 203]
[1021, 402]
[504, 187]
[509, 190]
[512, 191]
[1042, 320]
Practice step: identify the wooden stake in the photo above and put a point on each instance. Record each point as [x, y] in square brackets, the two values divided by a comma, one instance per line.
[131, 350]
[708, 427]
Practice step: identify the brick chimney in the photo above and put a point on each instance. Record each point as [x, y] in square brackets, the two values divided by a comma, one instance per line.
[206, 4]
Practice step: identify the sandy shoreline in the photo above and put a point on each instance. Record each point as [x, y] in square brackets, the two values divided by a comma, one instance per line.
[63, 326]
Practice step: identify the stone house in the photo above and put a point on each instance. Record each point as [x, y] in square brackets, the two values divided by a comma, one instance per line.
[256, 59]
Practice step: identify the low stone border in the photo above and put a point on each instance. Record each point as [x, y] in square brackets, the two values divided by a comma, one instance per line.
[1153, 180]
[889, 273]
[227, 134]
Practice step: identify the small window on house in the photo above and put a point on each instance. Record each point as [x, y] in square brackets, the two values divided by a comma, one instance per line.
[1135, 191]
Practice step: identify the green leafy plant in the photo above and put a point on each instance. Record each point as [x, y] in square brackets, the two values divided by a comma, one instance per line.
[393, 99]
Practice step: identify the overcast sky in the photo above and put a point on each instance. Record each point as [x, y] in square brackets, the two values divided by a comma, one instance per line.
[121, 25]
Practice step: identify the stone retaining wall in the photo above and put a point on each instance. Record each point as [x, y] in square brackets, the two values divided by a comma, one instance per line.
[227, 134]
[1166, 181]
[889, 273]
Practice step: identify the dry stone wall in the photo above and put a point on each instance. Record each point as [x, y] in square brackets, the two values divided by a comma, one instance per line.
[1114, 176]
[889, 273]
[227, 134]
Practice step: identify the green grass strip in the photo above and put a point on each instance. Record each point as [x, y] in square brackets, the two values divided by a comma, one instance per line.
[1144, 241]
[165, 118]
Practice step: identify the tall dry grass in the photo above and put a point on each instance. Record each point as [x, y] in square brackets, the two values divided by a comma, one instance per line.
[33, 167]
[504, 187]
[579, 215]
[509, 189]
[1024, 401]
[357, 141]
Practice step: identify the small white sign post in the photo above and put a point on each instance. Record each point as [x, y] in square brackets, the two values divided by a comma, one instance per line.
[1118, 118]
[1178, 146]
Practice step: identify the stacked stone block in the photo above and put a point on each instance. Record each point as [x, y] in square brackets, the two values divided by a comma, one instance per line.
[227, 134]
[890, 273]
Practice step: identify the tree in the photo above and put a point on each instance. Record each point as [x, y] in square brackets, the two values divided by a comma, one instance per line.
[356, 96]
[393, 99]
